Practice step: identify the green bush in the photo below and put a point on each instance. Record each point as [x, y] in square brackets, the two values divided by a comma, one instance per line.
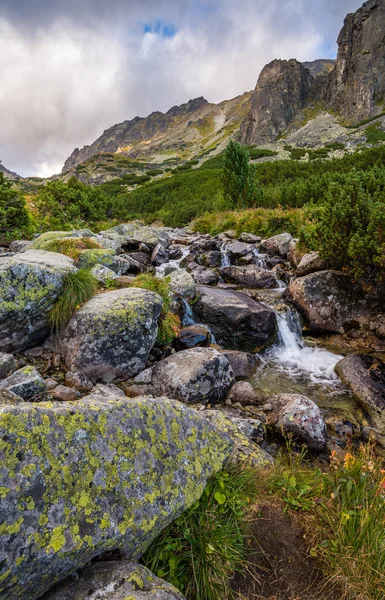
[78, 288]
[14, 218]
[374, 134]
[201, 550]
[238, 177]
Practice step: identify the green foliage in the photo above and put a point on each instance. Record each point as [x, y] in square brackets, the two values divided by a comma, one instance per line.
[14, 218]
[71, 247]
[78, 287]
[169, 323]
[238, 177]
[374, 134]
[200, 551]
[73, 204]
[255, 153]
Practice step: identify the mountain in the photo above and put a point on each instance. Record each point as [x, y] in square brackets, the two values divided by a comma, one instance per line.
[288, 96]
[8, 173]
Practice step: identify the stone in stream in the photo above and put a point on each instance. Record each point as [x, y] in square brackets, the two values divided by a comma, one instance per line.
[329, 300]
[296, 414]
[365, 376]
[237, 250]
[244, 364]
[160, 255]
[114, 580]
[195, 375]
[192, 336]
[26, 383]
[210, 259]
[278, 245]
[30, 283]
[237, 321]
[203, 276]
[310, 263]
[104, 473]
[249, 276]
[111, 335]
[183, 284]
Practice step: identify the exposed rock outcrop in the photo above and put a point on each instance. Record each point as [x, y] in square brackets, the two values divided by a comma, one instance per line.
[102, 474]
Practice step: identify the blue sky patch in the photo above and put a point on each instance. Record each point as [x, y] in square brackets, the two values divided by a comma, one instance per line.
[165, 30]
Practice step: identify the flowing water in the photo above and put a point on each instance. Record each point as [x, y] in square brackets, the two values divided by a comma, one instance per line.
[172, 265]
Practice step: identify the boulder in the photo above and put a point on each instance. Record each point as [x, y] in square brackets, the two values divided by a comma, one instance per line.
[242, 392]
[249, 276]
[26, 383]
[111, 240]
[296, 414]
[210, 259]
[195, 375]
[96, 256]
[104, 473]
[103, 274]
[237, 321]
[295, 254]
[160, 255]
[7, 364]
[328, 300]
[192, 336]
[114, 580]
[20, 245]
[365, 376]
[249, 238]
[30, 282]
[237, 250]
[203, 276]
[310, 263]
[78, 381]
[111, 335]
[183, 284]
[243, 364]
[278, 245]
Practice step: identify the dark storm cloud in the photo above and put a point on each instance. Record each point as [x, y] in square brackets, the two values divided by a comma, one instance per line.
[73, 68]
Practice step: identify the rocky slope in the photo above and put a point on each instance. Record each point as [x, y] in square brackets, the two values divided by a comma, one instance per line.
[8, 173]
[287, 95]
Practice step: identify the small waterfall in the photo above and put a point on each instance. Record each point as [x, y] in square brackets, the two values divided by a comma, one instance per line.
[174, 265]
[188, 315]
[260, 260]
[225, 258]
[292, 355]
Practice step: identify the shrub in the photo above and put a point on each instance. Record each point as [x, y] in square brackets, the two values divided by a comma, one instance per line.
[169, 323]
[13, 213]
[238, 177]
[78, 287]
[201, 550]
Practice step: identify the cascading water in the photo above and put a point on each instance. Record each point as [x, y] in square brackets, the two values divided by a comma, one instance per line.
[172, 265]
[291, 354]
[260, 260]
[225, 258]
[188, 315]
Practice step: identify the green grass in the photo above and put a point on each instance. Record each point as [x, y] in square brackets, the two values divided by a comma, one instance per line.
[71, 247]
[200, 551]
[78, 288]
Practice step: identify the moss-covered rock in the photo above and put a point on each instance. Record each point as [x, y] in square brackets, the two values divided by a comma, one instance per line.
[103, 473]
[26, 383]
[111, 335]
[115, 580]
[30, 283]
[95, 256]
[41, 242]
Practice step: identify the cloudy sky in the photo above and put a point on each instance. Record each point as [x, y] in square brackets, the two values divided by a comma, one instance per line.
[72, 68]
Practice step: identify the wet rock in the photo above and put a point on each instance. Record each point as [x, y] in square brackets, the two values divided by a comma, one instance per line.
[26, 382]
[113, 473]
[111, 335]
[118, 580]
[242, 392]
[365, 376]
[249, 276]
[243, 364]
[328, 300]
[249, 238]
[183, 284]
[7, 364]
[176, 253]
[237, 321]
[160, 255]
[246, 452]
[204, 245]
[296, 414]
[78, 381]
[192, 336]
[203, 276]
[195, 375]
[20, 246]
[103, 274]
[278, 245]
[8, 397]
[64, 393]
[210, 259]
[237, 250]
[30, 283]
[310, 263]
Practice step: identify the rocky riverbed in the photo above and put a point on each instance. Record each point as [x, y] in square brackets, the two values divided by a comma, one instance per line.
[106, 436]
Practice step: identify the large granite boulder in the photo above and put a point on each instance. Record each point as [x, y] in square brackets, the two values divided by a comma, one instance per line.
[237, 321]
[104, 473]
[114, 580]
[296, 414]
[328, 300]
[183, 284]
[30, 283]
[249, 276]
[193, 375]
[365, 376]
[111, 335]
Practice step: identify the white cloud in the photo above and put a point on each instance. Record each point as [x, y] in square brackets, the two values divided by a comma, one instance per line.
[70, 77]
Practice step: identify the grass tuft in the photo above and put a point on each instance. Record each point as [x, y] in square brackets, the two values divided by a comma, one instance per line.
[200, 551]
[78, 288]
[71, 247]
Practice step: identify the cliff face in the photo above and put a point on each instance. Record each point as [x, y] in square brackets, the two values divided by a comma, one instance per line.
[357, 84]
[8, 173]
[280, 94]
